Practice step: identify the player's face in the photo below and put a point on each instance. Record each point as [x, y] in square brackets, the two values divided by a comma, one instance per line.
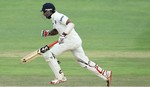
[47, 14]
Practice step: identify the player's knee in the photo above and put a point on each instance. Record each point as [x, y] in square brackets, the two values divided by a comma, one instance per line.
[92, 64]
[85, 64]
[48, 56]
[82, 63]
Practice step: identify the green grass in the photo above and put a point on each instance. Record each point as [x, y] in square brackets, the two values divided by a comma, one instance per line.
[126, 72]
[104, 26]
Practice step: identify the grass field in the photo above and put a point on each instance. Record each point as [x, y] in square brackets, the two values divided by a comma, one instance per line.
[115, 34]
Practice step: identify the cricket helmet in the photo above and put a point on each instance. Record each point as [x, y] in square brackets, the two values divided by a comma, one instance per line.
[48, 7]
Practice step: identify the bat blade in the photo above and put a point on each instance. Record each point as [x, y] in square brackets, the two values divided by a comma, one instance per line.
[34, 54]
[30, 57]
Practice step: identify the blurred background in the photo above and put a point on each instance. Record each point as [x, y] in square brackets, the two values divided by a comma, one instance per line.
[115, 34]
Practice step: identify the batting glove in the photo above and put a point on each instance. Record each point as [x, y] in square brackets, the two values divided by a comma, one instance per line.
[61, 38]
[44, 49]
[45, 33]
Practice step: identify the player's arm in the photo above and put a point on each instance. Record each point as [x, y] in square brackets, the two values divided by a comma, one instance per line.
[45, 33]
[69, 27]
[53, 32]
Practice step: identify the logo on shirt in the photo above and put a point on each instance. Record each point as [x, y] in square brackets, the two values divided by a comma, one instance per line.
[55, 22]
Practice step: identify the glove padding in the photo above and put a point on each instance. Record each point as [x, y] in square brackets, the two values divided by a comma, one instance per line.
[45, 33]
[44, 49]
[61, 39]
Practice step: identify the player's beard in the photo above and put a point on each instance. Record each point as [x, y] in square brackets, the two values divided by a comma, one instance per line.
[49, 17]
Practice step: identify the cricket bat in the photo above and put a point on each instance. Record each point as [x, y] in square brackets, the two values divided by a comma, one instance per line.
[35, 54]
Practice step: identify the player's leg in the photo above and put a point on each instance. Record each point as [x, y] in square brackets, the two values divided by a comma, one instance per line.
[84, 61]
[55, 67]
[49, 56]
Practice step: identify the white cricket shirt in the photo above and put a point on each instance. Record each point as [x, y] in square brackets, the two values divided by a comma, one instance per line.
[59, 22]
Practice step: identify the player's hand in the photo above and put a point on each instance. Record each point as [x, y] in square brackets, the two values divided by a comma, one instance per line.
[61, 39]
[44, 49]
[45, 33]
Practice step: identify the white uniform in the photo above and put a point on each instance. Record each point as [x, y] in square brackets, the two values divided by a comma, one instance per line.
[72, 40]
[72, 43]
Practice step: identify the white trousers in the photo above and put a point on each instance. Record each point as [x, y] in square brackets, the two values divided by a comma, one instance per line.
[75, 46]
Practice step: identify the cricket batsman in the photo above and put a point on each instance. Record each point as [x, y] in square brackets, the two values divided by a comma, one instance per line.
[68, 40]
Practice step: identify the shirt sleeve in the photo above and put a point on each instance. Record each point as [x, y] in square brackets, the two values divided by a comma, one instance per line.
[63, 19]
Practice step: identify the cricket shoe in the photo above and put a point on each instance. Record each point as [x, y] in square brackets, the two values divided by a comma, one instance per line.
[57, 81]
[109, 77]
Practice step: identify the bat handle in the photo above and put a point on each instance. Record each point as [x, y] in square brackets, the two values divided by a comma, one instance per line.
[52, 44]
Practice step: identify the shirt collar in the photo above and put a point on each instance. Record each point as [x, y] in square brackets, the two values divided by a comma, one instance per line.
[52, 16]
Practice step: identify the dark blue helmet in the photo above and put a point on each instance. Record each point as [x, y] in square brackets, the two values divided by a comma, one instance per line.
[48, 7]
